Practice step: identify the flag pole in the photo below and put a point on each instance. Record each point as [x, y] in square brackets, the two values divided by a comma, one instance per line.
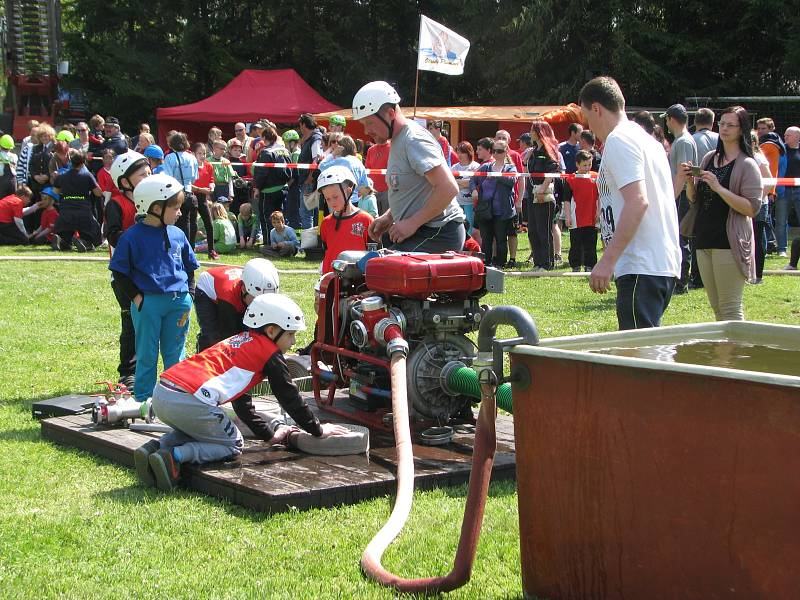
[416, 89]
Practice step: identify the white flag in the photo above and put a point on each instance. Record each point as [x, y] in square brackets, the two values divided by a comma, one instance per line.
[441, 49]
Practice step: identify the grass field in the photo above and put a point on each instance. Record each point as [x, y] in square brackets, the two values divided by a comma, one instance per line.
[74, 525]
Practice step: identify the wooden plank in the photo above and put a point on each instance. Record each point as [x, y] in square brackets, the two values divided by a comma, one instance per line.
[273, 479]
[66, 434]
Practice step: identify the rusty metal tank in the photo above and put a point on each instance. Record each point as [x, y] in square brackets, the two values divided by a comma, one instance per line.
[640, 478]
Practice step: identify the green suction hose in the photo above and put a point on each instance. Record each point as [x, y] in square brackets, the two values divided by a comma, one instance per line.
[457, 378]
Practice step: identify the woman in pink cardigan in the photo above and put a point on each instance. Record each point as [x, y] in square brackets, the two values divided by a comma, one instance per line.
[724, 198]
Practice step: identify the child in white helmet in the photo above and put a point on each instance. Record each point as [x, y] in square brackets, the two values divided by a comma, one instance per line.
[125, 172]
[154, 265]
[346, 227]
[222, 297]
[190, 394]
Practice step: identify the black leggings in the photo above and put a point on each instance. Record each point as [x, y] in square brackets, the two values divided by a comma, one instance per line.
[795, 255]
[494, 230]
[187, 222]
[540, 233]
[267, 204]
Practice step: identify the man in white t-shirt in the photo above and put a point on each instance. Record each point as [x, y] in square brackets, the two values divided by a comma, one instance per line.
[638, 221]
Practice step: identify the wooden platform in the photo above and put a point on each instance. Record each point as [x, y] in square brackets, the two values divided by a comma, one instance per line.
[273, 479]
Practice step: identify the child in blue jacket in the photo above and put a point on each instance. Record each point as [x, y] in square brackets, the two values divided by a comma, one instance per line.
[154, 267]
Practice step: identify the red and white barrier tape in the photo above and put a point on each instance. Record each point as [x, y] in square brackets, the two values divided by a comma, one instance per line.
[784, 181]
[780, 181]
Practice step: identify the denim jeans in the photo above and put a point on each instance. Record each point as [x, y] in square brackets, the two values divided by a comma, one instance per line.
[783, 204]
[161, 323]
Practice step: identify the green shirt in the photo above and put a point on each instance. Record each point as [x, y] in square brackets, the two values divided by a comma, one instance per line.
[223, 171]
[224, 235]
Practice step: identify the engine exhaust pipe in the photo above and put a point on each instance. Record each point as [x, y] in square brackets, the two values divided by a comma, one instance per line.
[482, 462]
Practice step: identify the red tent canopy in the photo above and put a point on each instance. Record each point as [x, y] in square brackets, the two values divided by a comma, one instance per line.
[279, 95]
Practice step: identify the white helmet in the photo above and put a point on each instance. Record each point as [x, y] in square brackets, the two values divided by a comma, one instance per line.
[333, 175]
[371, 97]
[260, 276]
[124, 164]
[274, 309]
[155, 188]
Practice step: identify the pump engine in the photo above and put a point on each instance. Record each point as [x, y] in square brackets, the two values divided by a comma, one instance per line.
[375, 303]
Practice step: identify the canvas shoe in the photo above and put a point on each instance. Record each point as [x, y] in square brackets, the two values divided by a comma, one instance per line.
[82, 246]
[141, 460]
[166, 469]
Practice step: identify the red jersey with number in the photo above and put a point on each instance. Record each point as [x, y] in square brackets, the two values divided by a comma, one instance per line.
[226, 370]
[223, 284]
[351, 234]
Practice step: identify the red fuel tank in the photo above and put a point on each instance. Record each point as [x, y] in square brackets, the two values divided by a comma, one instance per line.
[420, 275]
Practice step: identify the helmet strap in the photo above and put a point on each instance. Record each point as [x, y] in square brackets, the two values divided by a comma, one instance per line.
[163, 204]
[389, 124]
[280, 333]
[344, 208]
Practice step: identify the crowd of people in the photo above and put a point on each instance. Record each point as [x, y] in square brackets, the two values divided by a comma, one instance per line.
[61, 189]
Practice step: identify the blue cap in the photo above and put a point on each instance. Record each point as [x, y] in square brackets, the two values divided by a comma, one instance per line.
[49, 191]
[154, 151]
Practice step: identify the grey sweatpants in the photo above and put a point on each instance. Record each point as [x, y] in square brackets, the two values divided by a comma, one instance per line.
[203, 432]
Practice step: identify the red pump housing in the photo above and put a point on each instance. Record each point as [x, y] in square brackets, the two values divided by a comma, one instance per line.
[421, 275]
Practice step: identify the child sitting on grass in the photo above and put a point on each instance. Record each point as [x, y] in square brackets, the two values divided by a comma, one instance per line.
[44, 233]
[224, 234]
[154, 265]
[189, 395]
[247, 225]
[12, 208]
[282, 239]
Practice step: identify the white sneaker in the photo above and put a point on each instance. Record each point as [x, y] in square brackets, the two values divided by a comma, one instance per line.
[782, 254]
[789, 268]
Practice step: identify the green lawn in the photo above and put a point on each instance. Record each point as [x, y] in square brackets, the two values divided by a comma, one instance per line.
[74, 525]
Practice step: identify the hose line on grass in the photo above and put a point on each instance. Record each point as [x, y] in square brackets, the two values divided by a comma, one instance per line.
[480, 476]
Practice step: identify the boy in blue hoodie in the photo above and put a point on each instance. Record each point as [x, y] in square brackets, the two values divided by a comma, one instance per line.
[154, 267]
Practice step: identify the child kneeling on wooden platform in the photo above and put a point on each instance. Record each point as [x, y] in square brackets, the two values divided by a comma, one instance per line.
[189, 395]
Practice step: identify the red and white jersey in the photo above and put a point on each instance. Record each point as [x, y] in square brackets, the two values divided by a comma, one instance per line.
[226, 370]
[223, 284]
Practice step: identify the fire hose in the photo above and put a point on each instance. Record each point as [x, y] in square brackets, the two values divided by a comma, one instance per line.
[489, 371]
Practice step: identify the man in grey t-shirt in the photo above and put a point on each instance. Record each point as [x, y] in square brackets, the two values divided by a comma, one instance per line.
[683, 150]
[423, 214]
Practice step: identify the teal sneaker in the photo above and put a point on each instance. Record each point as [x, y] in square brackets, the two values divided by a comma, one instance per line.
[166, 469]
[141, 460]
